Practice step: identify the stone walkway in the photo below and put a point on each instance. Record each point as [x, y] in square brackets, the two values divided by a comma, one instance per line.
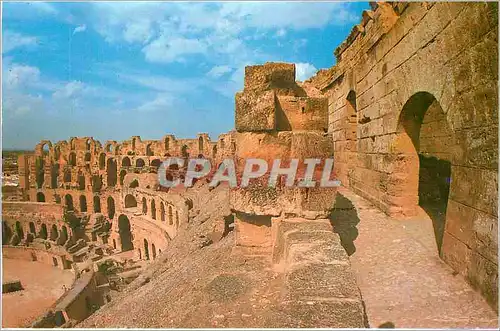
[402, 279]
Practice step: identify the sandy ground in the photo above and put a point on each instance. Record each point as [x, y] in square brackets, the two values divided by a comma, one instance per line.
[402, 279]
[43, 285]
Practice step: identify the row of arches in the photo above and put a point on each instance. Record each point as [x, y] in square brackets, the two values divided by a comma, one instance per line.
[149, 252]
[18, 233]
[68, 203]
[164, 212]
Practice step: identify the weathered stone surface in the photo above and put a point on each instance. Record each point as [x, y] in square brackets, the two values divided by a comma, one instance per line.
[255, 111]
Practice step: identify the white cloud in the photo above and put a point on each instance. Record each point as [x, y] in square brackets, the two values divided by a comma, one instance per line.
[20, 76]
[219, 71]
[281, 32]
[140, 31]
[16, 103]
[80, 28]
[43, 7]
[73, 89]
[162, 102]
[13, 40]
[172, 31]
[304, 71]
[165, 50]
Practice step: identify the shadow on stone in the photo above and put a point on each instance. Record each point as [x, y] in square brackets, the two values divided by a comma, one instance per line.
[344, 219]
[433, 192]
[387, 325]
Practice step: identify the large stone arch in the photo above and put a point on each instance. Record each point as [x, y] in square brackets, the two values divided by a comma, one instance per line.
[111, 207]
[40, 197]
[97, 204]
[111, 172]
[424, 148]
[124, 230]
[68, 202]
[130, 201]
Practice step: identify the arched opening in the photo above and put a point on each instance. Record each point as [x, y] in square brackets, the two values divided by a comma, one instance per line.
[81, 181]
[54, 234]
[156, 163]
[68, 202]
[112, 169]
[63, 235]
[184, 151]
[126, 162]
[146, 249]
[72, 159]
[54, 173]
[167, 144]
[214, 152]
[40, 197]
[96, 183]
[144, 206]
[88, 157]
[176, 219]
[83, 204]
[111, 207]
[123, 173]
[221, 142]
[97, 204]
[153, 209]
[130, 201]
[352, 117]
[422, 128]
[87, 145]
[149, 151]
[67, 175]
[43, 232]
[46, 149]
[173, 167]
[125, 234]
[6, 233]
[170, 216]
[19, 230]
[200, 145]
[139, 163]
[32, 228]
[153, 251]
[57, 153]
[162, 211]
[40, 171]
[102, 161]
[134, 184]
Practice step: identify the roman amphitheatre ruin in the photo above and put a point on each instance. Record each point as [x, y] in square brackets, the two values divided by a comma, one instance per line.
[409, 114]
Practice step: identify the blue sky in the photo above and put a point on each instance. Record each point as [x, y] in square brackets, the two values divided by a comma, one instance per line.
[113, 70]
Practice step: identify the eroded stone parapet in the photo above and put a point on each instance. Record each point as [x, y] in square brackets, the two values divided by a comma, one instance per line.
[320, 286]
[302, 113]
[255, 111]
[279, 77]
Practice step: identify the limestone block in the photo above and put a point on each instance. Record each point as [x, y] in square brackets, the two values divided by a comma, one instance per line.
[278, 76]
[255, 111]
[302, 113]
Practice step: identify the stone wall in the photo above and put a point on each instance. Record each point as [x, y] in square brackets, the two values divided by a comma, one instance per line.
[33, 254]
[420, 80]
